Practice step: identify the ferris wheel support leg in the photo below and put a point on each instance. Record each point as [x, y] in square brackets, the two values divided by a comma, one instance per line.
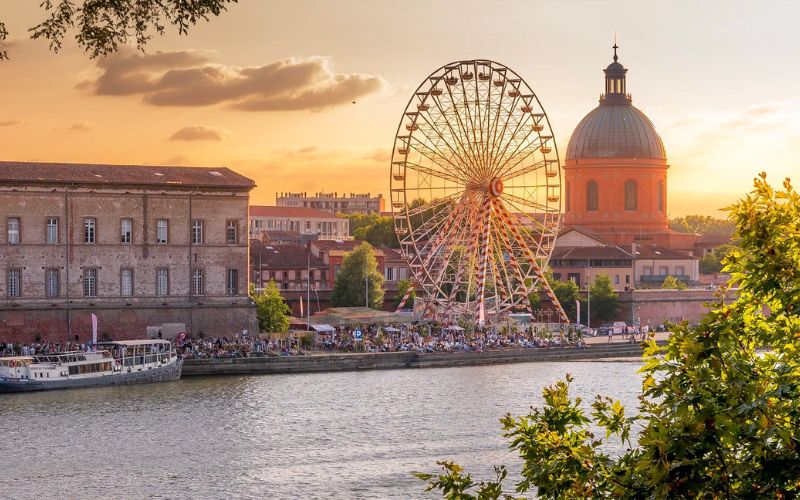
[483, 257]
[473, 247]
[405, 298]
[535, 264]
[512, 257]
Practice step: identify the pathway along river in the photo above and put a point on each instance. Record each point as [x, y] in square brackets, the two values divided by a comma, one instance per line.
[320, 435]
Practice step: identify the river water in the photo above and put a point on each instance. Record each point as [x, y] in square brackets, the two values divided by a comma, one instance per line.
[327, 435]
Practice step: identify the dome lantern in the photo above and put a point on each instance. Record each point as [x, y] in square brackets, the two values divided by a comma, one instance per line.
[615, 83]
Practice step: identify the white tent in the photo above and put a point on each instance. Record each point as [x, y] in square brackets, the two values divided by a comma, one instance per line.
[323, 328]
[454, 328]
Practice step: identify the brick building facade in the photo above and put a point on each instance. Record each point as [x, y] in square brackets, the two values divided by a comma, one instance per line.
[137, 246]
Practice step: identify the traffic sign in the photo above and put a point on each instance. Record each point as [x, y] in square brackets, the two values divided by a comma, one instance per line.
[357, 334]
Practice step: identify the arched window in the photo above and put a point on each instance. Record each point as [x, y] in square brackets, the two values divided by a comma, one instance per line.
[660, 196]
[630, 195]
[566, 198]
[592, 201]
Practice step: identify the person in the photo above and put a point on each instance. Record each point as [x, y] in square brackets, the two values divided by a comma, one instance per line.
[610, 334]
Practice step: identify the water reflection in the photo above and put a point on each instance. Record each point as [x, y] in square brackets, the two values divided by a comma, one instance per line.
[341, 435]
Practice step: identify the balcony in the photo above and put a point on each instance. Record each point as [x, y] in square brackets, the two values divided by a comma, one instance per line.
[659, 278]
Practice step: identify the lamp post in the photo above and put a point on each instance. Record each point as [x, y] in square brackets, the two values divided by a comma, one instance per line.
[308, 291]
[588, 301]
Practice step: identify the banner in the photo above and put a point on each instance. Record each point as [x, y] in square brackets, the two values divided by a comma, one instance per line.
[301, 307]
[94, 329]
[578, 314]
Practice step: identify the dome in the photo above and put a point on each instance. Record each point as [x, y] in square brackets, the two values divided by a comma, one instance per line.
[615, 131]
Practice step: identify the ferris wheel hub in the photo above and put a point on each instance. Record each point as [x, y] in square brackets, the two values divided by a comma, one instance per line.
[496, 187]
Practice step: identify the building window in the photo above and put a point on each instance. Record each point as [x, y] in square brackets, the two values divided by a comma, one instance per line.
[389, 274]
[197, 232]
[232, 282]
[663, 271]
[647, 271]
[51, 283]
[13, 230]
[232, 232]
[660, 194]
[90, 282]
[162, 229]
[162, 281]
[14, 283]
[125, 231]
[679, 271]
[567, 197]
[616, 279]
[627, 278]
[197, 282]
[126, 282]
[630, 195]
[592, 199]
[52, 230]
[89, 231]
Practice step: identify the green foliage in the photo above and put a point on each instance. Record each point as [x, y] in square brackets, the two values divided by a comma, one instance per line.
[271, 310]
[402, 288]
[712, 262]
[567, 292]
[718, 413]
[104, 25]
[375, 229]
[702, 224]
[605, 301]
[349, 288]
[673, 283]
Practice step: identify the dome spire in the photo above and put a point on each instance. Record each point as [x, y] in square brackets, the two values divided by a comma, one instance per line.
[615, 47]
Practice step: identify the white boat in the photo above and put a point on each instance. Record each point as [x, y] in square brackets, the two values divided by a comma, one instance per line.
[113, 363]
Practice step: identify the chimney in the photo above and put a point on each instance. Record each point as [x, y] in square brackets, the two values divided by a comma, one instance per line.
[634, 247]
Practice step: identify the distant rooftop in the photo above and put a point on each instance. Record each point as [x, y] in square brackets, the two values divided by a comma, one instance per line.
[12, 172]
[290, 212]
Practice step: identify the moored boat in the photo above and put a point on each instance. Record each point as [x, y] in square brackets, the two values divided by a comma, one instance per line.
[113, 363]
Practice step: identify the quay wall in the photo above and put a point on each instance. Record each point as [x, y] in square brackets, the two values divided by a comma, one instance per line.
[397, 360]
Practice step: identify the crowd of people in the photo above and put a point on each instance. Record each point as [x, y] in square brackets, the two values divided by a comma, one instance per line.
[419, 337]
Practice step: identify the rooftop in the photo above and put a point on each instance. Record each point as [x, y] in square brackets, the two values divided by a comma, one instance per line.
[291, 212]
[283, 256]
[12, 172]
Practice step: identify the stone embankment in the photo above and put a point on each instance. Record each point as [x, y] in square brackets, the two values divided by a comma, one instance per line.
[396, 360]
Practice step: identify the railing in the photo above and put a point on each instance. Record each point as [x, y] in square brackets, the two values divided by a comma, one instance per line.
[659, 278]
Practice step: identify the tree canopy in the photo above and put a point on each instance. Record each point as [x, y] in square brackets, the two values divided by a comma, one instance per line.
[103, 25]
[375, 229]
[271, 310]
[349, 287]
[673, 283]
[402, 287]
[567, 292]
[605, 301]
[703, 224]
[717, 415]
[711, 263]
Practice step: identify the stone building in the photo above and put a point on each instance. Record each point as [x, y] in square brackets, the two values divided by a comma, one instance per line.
[311, 223]
[352, 203]
[137, 246]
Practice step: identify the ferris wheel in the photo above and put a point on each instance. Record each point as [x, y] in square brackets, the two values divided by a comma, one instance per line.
[476, 191]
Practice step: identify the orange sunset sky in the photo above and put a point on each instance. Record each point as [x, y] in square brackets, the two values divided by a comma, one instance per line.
[267, 88]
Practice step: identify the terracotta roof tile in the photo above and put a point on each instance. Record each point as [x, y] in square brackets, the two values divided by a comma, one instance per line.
[283, 256]
[12, 172]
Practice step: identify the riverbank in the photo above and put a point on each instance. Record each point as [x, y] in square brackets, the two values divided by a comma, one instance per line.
[397, 360]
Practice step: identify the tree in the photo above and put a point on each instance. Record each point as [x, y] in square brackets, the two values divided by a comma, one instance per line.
[375, 229]
[349, 288]
[567, 292]
[605, 301]
[712, 263]
[104, 25]
[673, 283]
[271, 310]
[718, 414]
[402, 287]
[702, 224]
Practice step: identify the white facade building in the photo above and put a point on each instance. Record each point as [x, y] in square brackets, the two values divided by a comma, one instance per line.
[306, 221]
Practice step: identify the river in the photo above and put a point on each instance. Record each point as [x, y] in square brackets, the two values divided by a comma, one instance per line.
[319, 435]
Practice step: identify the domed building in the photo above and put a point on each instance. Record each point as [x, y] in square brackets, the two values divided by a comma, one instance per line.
[616, 172]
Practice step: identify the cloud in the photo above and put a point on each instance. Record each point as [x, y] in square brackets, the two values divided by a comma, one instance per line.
[190, 78]
[10, 123]
[307, 149]
[378, 155]
[199, 133]
[81, 127]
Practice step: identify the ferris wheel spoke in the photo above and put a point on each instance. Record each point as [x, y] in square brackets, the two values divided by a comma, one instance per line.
[463, 132]
[459, 141]
[520, 139]
[502, 278]
[451, 244]
[499, 142]
[514, 222]
[439, 139]
[435, 157]
[521, 203]
[510, 173]
[434, 173]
